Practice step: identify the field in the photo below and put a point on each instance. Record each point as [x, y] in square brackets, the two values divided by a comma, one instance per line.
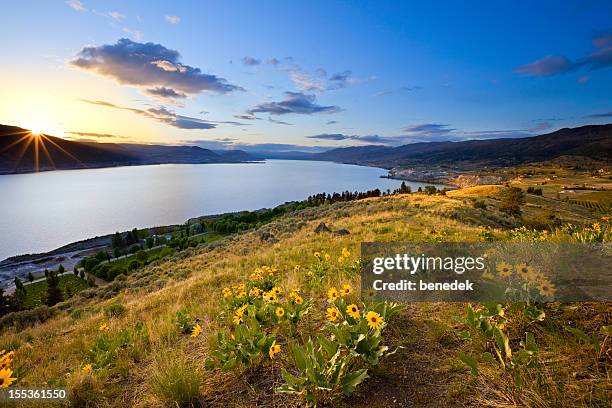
[37, 292]
[145, 340]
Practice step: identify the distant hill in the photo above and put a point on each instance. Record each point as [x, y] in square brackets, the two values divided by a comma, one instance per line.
[18, 153]
[593, 142]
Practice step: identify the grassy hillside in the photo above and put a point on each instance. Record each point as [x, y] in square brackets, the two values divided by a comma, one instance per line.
[137, 332]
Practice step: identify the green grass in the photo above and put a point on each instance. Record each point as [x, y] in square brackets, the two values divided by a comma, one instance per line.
[37, 292]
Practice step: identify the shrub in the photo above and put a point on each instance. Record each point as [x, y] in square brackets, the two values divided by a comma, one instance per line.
[480, 204]
[511, 200]
[175, 380]
[85, 391]
[26, 318]
[115, 310]
[133, 265]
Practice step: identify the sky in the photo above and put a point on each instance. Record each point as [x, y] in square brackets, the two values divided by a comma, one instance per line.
[304, 75]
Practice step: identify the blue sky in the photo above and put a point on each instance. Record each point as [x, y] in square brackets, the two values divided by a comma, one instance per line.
[319, 74]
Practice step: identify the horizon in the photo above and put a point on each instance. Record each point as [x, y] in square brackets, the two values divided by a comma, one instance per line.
[133, 73]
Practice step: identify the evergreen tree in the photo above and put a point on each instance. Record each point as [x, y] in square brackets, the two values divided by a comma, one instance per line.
[61, 269]
[54, 293]
[82, 273]
[30, 277]
[19, 284]
[5, 303]
[19, 298]
[46, 273]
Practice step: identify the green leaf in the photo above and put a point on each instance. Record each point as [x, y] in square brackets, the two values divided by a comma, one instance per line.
[503, 343]
[606, 330]
[352, 380]
[470, 361]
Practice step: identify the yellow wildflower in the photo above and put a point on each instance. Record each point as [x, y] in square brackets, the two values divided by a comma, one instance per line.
[255, 292]
[547, 289]
[227, 292]
[332, 314]
[353, 311]
[296, 268]
[280, 312]
[327, 257]
[317, 255]
[6, 359]
[346, 289]
[298, 300]
[374, 320]
[241, 295]
[340, 259]
[197, 329]
[103, 327]
[5, 377]
[274, 349]
[345, 252]
[525, 271]
[597, 227]
[276, 290]
[504, 269]
[488, 275]
[332, 294]
[86, 369]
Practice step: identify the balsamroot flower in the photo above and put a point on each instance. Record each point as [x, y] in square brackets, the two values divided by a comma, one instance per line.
[374, 320]
[197, 329]
[280, 312]
[332, 294]
[274, 349]
[353, 311]
[332, 314]
[5, 377]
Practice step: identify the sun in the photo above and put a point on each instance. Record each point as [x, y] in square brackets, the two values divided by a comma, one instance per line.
[37, 131]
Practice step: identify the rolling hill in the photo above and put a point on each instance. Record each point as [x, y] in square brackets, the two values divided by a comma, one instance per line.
[593, 142]
[21, 152]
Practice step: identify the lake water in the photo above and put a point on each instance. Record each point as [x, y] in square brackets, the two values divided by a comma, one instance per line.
[43, 211]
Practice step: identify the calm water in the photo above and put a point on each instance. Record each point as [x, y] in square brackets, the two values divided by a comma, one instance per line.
[40, 212]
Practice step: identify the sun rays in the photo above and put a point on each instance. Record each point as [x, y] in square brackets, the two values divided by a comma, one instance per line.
[41, 145]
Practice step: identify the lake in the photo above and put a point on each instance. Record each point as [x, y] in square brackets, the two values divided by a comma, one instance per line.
[43, 211]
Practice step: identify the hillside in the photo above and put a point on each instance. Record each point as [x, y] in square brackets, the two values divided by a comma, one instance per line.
[136, 332]
[19, 153]
[593, 141]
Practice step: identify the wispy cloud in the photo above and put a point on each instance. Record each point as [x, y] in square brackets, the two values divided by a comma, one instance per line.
[161, 114]
[427, 129]
[117, 16]
[367, 139]
[294, 102]
[149, 66]
[558, 64]
[173, 19]
[401, 89]
[279, 122]
[76, 5]
[250, 61]
[97, 135]
[600, 115]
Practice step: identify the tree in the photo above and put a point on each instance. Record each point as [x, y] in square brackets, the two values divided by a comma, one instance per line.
[61, 269]
[150, 242]
[75, 271]
[46, 272]
[117, 252]
[511, 200]
[82, 273]
[5, 303]
[19, 298]
[54, 293]
[117, 241]
[30, 277]
[19, 284]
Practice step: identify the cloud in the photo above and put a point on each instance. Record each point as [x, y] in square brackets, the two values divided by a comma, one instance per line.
[294, 102]
[279, 122]
[559, 64]
[600, 115]
[427, 129]
[165, 93]
[547, 66]
[148, 65]
[138, 35]
[583, 79]
[115, 15]
[331, 122]
[246, 116]
[97, 135]
[401, 89]
[162, 115]
[376, 139]
[273, 61]
[76, 5]
[173, 19]
[250, 61]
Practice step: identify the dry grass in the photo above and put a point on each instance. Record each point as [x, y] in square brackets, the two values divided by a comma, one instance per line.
[53, 353]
